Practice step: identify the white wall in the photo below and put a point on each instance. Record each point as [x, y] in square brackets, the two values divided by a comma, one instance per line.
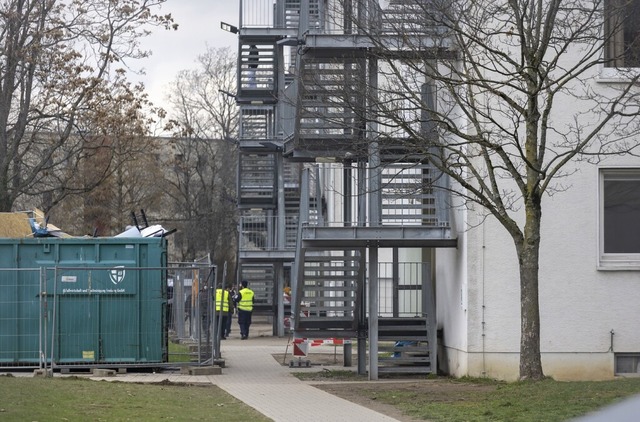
[452, 300]
[579, 304]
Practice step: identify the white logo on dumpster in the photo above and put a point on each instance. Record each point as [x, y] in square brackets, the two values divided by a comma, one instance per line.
[117, 275]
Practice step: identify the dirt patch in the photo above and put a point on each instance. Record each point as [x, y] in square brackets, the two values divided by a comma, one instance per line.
[358, 389]
[431, 390]
[357, 392]
[365, 393]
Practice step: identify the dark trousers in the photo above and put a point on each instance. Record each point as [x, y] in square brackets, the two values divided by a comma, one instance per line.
[221, 325]
[227, 328]
[244, 321]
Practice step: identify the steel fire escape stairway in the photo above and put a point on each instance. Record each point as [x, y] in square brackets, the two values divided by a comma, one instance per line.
[330, 262]
[327, 99]
[331, 271]
[259, 221]
[260, 252]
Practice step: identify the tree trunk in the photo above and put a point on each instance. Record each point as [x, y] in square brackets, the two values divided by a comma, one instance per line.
[528, 257]
[6, 201]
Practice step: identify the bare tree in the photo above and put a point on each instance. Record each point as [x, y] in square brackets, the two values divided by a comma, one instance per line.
[118, 170]
[60, 65]
[476, 86]
[205, 120]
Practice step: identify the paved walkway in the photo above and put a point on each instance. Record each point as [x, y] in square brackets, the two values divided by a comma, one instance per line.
[252, 375]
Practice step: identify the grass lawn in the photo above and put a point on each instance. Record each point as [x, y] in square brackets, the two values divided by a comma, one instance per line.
[469, 400]
[524, 401]
[426, 398]
[77, 399]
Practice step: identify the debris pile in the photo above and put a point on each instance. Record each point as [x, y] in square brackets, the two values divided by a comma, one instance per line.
[21, 224]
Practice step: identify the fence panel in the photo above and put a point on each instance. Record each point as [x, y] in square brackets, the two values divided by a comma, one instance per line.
[21, 336]
[190, 306]
[107, 315]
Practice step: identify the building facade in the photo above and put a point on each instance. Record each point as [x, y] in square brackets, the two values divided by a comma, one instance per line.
[339, 204]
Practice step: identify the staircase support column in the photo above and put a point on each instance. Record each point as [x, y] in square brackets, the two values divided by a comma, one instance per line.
[279, 276]
[361, 309]
[361, 221]
[280, 245]
[430, 304]
[373, 313]
[375, 220]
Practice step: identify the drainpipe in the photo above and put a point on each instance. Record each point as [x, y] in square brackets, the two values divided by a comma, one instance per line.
[482, 280]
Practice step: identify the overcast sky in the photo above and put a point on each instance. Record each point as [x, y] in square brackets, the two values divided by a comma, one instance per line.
[172, 51]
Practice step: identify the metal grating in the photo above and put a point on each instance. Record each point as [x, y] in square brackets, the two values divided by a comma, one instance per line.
[257, 122]
[257, 179]
[261, 280]
[407, 195]
[257, 67]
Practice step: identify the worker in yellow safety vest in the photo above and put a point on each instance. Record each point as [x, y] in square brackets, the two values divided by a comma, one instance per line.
[223, 307]
[245, 300]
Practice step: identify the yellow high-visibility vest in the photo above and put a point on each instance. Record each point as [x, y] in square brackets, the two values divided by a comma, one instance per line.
[222, 299]
[246, 302]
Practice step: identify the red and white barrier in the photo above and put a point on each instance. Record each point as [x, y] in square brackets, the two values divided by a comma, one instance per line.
[301, 345]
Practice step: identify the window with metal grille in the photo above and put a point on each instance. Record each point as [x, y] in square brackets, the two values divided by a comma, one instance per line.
[627, 363]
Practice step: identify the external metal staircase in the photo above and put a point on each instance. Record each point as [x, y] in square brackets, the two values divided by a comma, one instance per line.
[304, 77]
[330, 301]
[331, 271]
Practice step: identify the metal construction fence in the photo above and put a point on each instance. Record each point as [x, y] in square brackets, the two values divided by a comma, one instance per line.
[105, 316]
[190, 310]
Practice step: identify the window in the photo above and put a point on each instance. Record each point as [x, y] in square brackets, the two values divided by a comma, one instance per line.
[627, 363]
[620, 218]
[622, 29]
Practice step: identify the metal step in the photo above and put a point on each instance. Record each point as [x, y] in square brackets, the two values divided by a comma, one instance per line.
[396, 325]
[403, 345]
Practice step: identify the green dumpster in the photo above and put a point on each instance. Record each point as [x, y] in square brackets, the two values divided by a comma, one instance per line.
[83, 301]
